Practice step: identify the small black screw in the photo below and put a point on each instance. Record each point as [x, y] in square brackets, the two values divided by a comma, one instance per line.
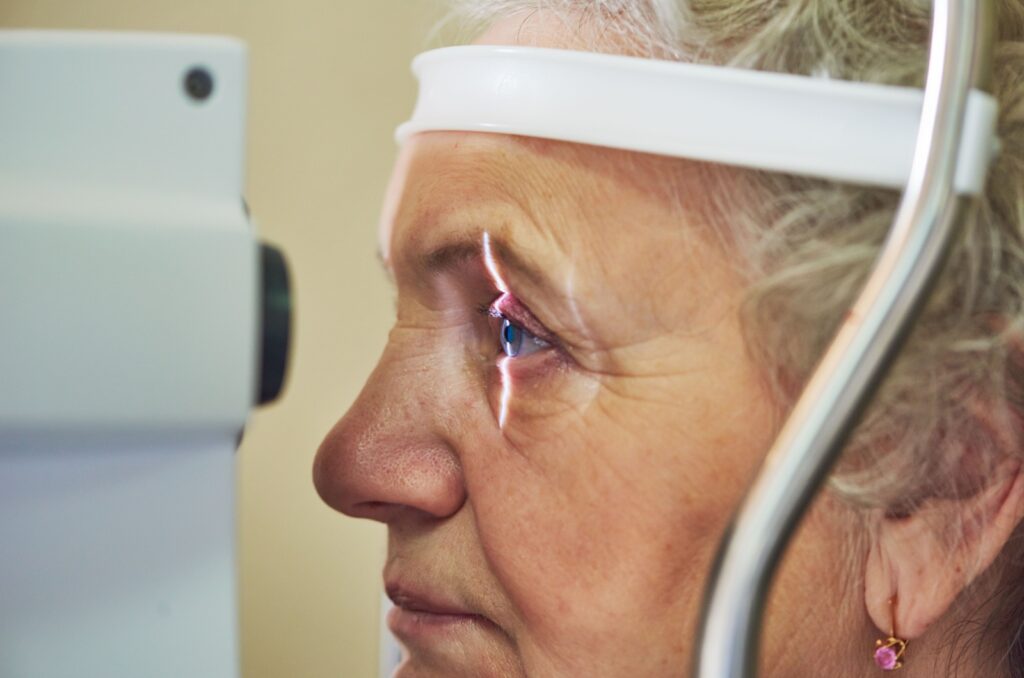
[198, 83]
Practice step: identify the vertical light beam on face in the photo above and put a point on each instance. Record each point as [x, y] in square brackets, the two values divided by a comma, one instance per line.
[506, 377]
[492, 265]
[506, 391]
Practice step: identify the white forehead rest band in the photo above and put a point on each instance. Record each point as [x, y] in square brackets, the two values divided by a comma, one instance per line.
[845, 131]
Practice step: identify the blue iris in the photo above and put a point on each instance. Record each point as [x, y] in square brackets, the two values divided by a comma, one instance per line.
[519, 342]
[511, 338]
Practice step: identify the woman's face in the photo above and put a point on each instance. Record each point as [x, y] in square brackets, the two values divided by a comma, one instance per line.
[565, 414]
[563, 417]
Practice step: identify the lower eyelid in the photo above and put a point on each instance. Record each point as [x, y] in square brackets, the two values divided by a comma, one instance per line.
[536, 366]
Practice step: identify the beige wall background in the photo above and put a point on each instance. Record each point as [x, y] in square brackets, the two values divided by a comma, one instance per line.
[329, 81]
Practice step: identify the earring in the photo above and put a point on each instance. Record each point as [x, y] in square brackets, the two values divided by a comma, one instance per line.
[889, 652]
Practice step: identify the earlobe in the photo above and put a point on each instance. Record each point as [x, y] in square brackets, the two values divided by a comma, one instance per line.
[918, 564]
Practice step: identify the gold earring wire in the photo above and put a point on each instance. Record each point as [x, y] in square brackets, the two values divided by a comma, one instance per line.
[888, 653]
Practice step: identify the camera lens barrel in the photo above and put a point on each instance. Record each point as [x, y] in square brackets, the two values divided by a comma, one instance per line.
[276, 314]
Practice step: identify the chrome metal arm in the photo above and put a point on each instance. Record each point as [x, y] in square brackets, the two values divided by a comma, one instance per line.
[854, 363]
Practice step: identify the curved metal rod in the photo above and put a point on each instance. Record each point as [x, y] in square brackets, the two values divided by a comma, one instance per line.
[864, 346]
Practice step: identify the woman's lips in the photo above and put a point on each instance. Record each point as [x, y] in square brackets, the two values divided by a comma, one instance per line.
[419, 616]
[411, 625]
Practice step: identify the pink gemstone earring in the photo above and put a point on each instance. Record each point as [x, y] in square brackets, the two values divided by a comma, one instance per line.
[889, 652]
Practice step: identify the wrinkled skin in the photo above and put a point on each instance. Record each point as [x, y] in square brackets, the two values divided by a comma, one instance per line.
[580, 523]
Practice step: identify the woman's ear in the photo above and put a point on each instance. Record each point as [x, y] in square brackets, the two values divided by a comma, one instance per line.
[918, 564]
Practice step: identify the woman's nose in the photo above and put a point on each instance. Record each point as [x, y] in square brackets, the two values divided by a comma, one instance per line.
[388, 455]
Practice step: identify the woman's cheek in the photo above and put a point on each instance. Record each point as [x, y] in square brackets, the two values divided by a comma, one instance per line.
[534, 400]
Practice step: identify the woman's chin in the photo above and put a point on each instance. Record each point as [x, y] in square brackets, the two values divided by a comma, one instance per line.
[417, 665]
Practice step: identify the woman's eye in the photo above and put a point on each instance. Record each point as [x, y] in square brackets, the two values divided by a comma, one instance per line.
[517, 342]
[511, 319]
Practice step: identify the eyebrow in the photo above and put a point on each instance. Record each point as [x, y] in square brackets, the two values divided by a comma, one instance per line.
[452, 254]
[440, 259]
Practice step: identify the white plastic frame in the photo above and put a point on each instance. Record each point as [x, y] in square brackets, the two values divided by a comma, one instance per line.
[854, 132]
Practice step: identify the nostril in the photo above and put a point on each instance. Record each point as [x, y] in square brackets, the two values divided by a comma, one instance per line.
[380, 511]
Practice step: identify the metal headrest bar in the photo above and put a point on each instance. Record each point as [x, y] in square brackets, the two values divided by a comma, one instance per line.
[852, 366]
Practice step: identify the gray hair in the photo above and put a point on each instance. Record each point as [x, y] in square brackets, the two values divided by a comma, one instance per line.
[952, 407]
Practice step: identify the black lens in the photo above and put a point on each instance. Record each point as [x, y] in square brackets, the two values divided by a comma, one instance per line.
[199, 83]
[276, 320]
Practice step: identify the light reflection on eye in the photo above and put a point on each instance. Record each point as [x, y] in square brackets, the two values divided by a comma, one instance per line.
[518, 342]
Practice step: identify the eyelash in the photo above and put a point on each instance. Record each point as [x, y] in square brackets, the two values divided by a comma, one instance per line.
[518, 331]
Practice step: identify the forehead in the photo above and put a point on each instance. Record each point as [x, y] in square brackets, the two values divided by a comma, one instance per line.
[468, 180]
[452, 185]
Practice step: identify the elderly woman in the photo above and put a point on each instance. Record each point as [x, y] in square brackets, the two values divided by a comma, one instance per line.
[595, 348]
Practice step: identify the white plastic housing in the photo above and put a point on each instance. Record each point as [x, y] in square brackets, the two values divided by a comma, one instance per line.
[128, 353]
[846, 131]
[127, 263]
